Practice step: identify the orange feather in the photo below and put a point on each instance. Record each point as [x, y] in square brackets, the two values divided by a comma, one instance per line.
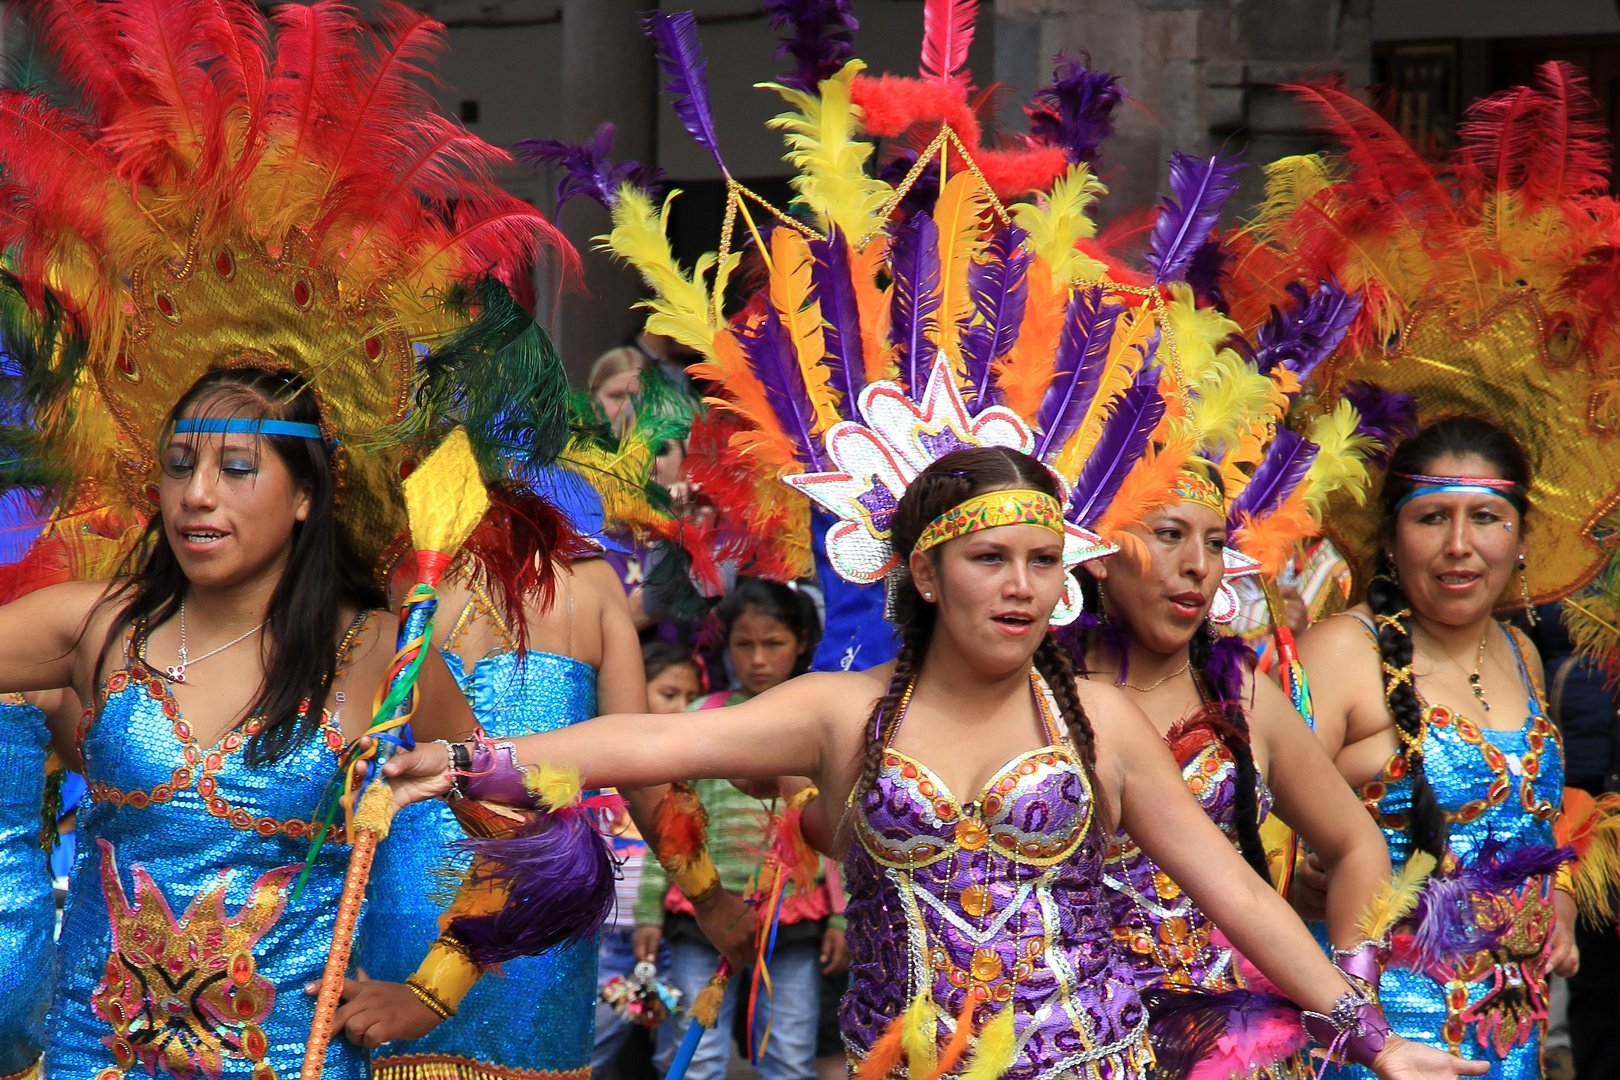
[1271, 539]
[957, 1044]
[1148, 486]
[884, 1056]
[1026, 371]
[873, 305]
[745, 396]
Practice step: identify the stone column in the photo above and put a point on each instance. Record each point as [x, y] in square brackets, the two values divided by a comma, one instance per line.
[608, 74]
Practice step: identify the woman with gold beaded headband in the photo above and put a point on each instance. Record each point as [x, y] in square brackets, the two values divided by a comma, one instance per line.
[253, 278]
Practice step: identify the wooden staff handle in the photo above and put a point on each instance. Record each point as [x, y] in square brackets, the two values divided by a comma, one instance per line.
[371, 821]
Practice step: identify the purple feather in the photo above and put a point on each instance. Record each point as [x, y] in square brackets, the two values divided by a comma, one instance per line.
[560, 876]
[1088, 329]
[1199, 188]
[835, 288]
[1385, 415]
[1287, 460]
[680, 54]
[999, 286]
[1206, 273]
[1230, 656]
[1111, 634]
[914, 262]
[775, 362]
[821, 38]
[585, 166]
[1307, 334]
[1444, 926]
[1124, 440]
[923, 193]
[1076, 111]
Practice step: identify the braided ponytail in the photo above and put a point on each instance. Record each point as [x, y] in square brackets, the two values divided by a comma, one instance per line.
[1226, 680]
[1426, 823]
[1053, 663]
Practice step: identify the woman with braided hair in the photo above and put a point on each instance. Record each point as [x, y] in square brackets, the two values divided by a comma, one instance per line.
[1433, 711]
[1242, 748]
[979, 926]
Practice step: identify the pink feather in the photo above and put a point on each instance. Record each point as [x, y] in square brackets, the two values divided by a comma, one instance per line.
[947, 33]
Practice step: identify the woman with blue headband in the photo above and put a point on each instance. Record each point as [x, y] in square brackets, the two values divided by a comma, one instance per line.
[1433, 710]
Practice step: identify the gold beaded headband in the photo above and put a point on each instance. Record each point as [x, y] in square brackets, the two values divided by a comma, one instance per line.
[1190, 487]
[1017, 506]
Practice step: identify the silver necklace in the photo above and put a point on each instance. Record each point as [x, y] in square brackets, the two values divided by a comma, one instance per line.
[177, 671]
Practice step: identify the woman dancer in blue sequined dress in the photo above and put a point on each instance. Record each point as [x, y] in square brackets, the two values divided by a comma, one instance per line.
[1433, 710]
[183, 950]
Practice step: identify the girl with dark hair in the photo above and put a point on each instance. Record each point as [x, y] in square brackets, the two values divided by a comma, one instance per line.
[1432, 710]
[985, 912]
[1243, 750]
[216, 671]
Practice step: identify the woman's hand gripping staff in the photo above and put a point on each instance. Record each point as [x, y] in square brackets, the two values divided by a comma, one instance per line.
[445, 499]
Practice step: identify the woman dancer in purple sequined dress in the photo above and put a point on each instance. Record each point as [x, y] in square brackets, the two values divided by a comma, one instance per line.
[988, 913]
[1242, 749]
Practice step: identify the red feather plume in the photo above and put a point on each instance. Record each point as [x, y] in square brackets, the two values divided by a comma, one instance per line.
[947, 34]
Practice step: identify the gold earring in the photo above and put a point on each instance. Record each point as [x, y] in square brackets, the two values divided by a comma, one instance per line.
[1524, 589]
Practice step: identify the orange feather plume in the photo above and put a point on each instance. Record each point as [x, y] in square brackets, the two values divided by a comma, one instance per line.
[1026, 371]
[790, 289]
[745, 397]
[885, 1054]
[959, 213]
[1271, 539]
[873, 305]
[1148, 486]
[957, 1045]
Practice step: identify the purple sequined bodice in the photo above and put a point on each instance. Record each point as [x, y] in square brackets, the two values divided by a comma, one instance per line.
[1165, 935]
[1002, 899]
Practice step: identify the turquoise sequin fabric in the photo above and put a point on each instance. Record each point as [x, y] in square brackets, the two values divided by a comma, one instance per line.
[1504, 786]
[182, 952]
[27, 911]
[537, 1018]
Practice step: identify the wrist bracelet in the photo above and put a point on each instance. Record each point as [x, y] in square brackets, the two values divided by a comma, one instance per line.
[1363, 966]
[460, 765]
[1353, 1033]
[428, 998]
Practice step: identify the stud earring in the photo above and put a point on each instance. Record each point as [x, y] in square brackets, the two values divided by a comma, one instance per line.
[1524, 589]
[928, 596]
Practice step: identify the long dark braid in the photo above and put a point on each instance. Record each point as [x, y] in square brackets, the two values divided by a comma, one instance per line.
[1426, 822]
[950, 481]
[1456, 437]
[1227, 686]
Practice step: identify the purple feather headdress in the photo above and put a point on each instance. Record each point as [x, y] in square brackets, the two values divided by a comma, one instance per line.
[914, 309]
[998, 284]
[1199, 188]
[774, 359]
[1280, 471]
[1076, 111]
[820, 41]
[841, 335]
[1206, 273]
[1088, 331]
[1125, 434]
[585, 166]
[680, 54]
[1385, 415]
[559, 876]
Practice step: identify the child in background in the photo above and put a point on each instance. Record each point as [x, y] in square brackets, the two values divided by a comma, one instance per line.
[673, 683]
[771, 631]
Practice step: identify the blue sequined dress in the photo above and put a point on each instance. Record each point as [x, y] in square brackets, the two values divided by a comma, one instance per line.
[1505, 786]
[27, 911]
[182, 952]
[537, 1019]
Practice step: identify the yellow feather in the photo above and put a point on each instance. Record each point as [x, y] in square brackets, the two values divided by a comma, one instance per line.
[994, 1049]
[1290, 183]
[1395, 900]
[790, 288]
[620, 477]
[1198, 331]
[1229, 397]
[959, 213]
[919, 1036]
[1341, 463]
[681, 306]
[555, 787]
[829, 157]
[1060, 220]
[1131, 331]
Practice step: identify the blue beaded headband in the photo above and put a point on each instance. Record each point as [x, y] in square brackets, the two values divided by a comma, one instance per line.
[240, 426]
[1467, 485]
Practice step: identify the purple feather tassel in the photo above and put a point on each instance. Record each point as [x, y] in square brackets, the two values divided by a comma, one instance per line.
[680, 54]
[1444, 927]
[841, 334]
[1285, 464]
[1088, 329]
[999, 285]
[1307, 334]
[1124, 440]
[1076, 111]
[821, 38]
[1230, 656]
[585, 166]
[1199, 188]
[561, 880]
[914, 262]
[773, 359]
[1385, 415]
